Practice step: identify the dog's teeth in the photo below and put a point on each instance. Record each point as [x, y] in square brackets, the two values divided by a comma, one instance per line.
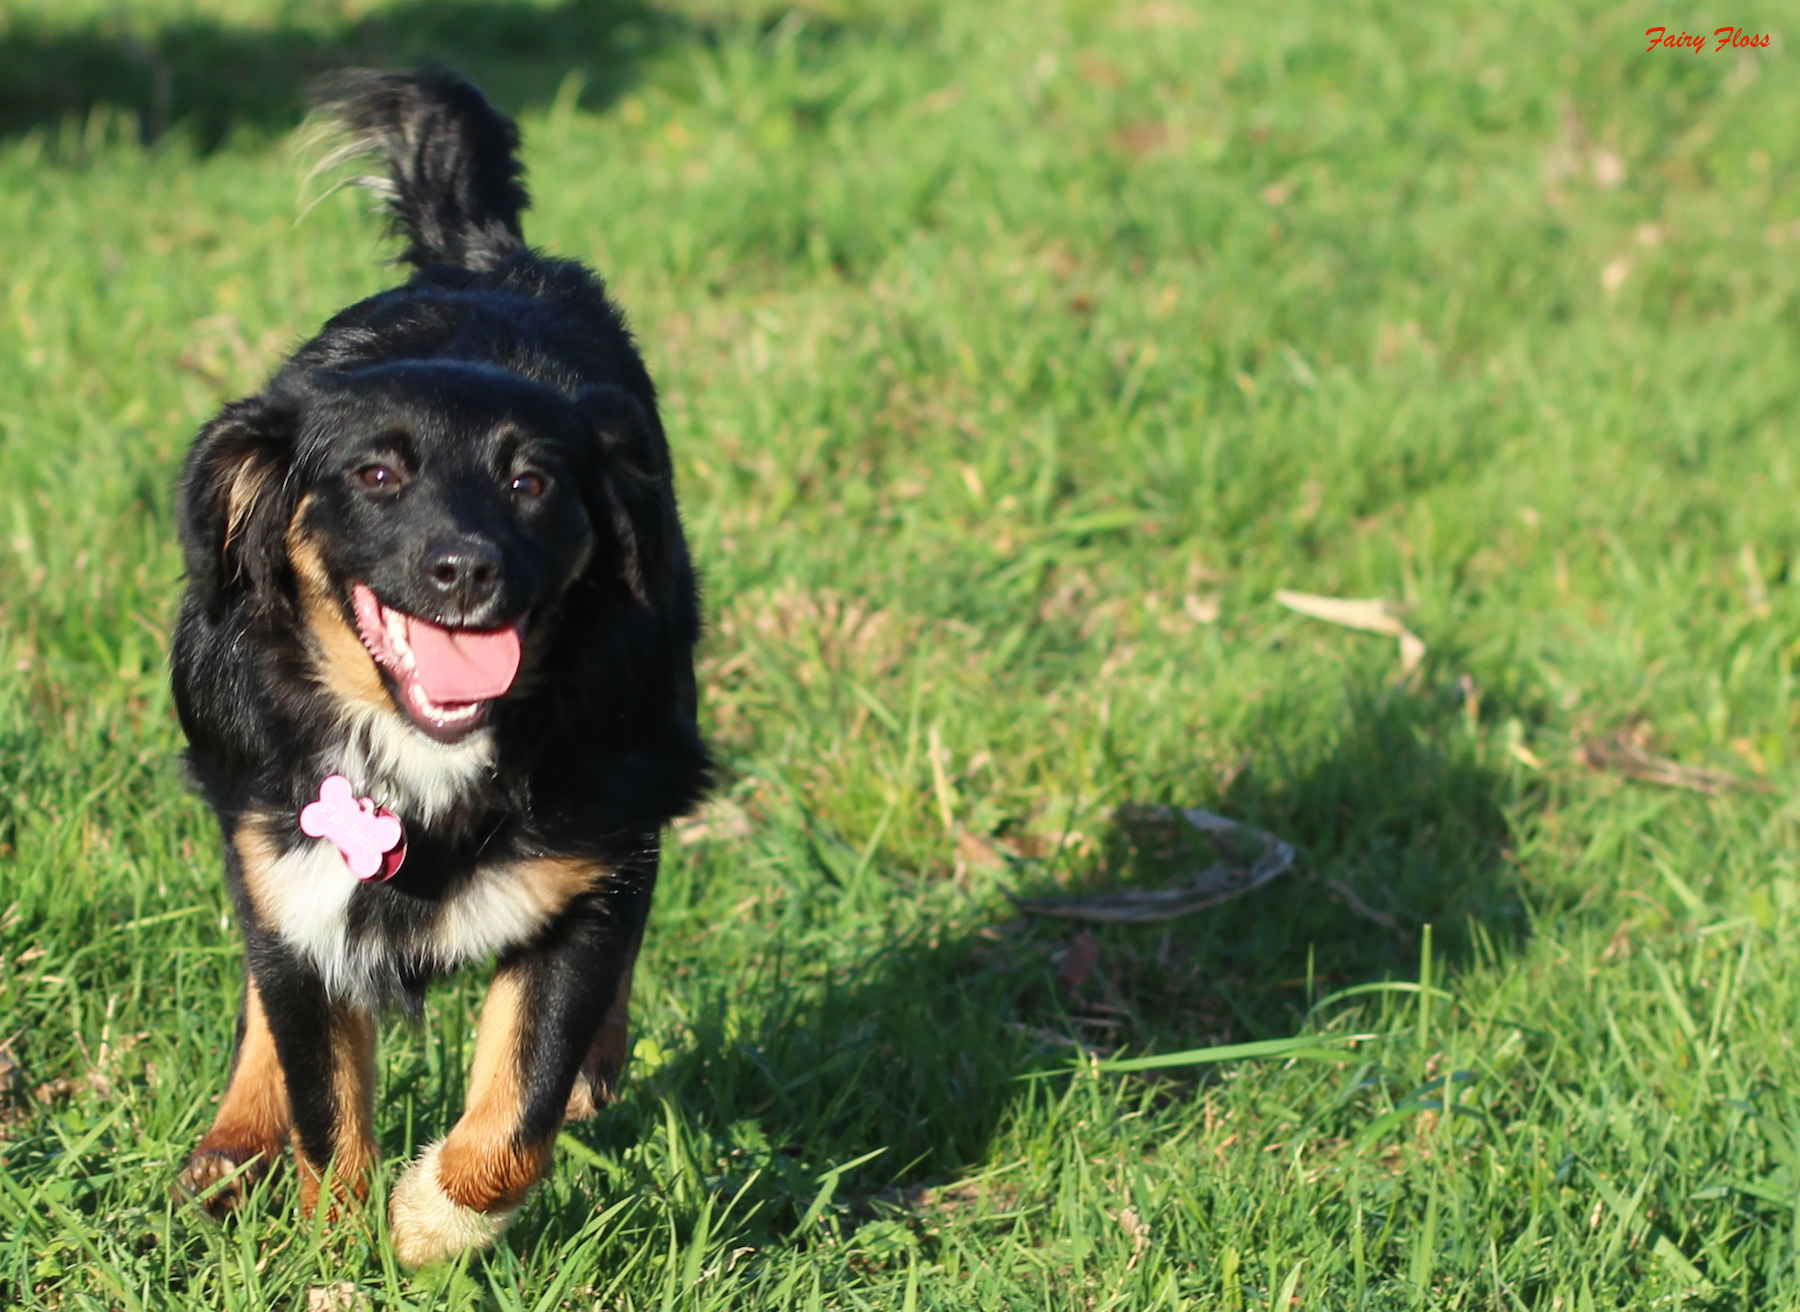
[443, 714]
[399, 650]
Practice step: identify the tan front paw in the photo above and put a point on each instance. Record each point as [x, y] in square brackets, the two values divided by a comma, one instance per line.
[428, 1225]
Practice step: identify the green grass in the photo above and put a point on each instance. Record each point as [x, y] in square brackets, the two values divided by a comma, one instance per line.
[990, 334]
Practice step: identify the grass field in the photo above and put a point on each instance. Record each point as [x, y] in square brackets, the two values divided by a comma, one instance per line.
[1015, 355]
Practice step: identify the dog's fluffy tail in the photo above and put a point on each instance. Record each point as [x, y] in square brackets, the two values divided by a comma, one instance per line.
[454, 184]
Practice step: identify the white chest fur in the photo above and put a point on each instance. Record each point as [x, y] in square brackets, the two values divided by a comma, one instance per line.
[407, 772]
[305, 898]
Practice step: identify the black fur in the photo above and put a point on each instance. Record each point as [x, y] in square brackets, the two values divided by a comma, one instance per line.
[492, 359]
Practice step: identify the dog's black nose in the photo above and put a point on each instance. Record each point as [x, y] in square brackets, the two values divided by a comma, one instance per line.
[465, 573]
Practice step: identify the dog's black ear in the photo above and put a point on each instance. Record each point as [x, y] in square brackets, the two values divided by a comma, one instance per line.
[630, 489]
[231, 530]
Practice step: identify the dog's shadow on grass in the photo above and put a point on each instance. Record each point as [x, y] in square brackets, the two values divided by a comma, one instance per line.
[901, 1066]
[209, 76]
[913, 1052]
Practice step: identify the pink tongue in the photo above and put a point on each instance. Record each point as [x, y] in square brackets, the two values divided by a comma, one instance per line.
[462, 665]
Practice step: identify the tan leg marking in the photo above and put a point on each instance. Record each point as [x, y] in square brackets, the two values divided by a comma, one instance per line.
[597, 1082]
[353, 1096]
[483, 1165]
[465, 1188]
[253, 1117]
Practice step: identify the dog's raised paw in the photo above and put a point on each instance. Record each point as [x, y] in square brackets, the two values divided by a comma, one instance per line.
[427, 1225]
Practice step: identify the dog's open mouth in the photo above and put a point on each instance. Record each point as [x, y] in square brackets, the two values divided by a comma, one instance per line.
[446, 677]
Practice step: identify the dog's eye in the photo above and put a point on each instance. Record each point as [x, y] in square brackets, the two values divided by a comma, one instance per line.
[378, 478]
[529, 484]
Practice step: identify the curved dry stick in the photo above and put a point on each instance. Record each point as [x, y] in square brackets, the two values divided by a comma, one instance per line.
[1219, 882]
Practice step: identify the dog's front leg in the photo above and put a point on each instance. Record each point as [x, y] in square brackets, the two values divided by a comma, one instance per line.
[253, 1121]
[597, 1082]
[544, 1011]
[303, 1069]
[327, 1051]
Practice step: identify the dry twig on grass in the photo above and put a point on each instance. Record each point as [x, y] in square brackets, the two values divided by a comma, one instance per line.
[1219, 882]
[1348, 896]
[1623, 753]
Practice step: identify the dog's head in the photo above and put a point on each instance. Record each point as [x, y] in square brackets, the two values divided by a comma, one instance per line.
[437, 511]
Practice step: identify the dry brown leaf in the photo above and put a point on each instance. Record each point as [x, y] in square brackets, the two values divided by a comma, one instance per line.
[1369, 615]
[1139, 1230]
[53, 1090]
[1202, 610]
[342, 1297]
[1140, 139]
[1078, 960]
[1219, 882]
[1623, 753]
[964, 1194]
[716, 821]
[979, 851]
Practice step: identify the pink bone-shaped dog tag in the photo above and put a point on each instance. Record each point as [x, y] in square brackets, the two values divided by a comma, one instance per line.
[372, 839]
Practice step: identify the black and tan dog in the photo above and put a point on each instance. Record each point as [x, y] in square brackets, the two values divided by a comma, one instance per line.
[435, 667]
